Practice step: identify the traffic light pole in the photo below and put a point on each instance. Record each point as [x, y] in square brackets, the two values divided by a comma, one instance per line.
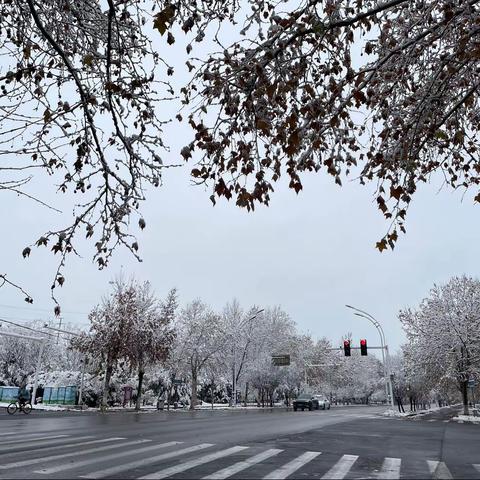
[384, 347]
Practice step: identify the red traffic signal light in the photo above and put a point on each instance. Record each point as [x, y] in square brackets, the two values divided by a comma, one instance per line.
[363, 347]
[346, 347]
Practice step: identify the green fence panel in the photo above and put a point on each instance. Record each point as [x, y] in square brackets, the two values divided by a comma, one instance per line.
[8, 394]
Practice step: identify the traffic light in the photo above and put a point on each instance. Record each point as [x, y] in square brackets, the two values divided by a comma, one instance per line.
[363, 347]
[346, 347]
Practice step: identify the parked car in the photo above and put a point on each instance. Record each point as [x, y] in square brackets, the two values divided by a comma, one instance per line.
[323, 402]
[305, 400]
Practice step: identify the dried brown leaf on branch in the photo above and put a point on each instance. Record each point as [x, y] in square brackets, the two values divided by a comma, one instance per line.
[385, 90]
[103, 143]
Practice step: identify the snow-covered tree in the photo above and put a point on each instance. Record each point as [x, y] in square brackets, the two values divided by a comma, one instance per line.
[198, 339]
[444, 335]
[18, 359]
[129, 324]
[149, 331]
[108, 328]
[240, 328]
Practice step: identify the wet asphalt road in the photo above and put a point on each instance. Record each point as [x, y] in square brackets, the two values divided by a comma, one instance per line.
[345, 442]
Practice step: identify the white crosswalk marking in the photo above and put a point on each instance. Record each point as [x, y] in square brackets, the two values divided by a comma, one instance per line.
[26, 435]
[341, 468]
[476, 466]
[240, 466]
[390, 469]
[168, 472]
[293, 466]
[70, 445]
[33, 461]
[27, 442]
[439, 470]
[145, 461]
[103, 458]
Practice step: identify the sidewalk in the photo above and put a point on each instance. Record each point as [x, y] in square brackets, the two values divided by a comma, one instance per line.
[396, 413]
[51, 408]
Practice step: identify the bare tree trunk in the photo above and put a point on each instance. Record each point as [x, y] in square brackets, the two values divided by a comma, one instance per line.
[193, 402]
[141, 373]
[465, 397]
[246, 394]
[106, 385]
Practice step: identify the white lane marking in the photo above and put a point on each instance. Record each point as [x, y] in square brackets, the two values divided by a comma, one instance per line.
[432, 420]
[476, 466]
[33, 461]
[240, 466]
[31, 441]
[103, 458]
[446, 421]
[145, 461]
[341, 468]
[390, 469]
[439, 470]
[293, 466]
[66, 445]
[182, 467]
[25, 432]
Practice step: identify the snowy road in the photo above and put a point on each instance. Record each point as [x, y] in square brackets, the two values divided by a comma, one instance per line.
[342, 443]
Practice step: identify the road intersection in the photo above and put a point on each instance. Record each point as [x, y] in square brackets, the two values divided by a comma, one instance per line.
[342, 443]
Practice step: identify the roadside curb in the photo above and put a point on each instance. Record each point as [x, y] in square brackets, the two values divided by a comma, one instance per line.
[394, 414]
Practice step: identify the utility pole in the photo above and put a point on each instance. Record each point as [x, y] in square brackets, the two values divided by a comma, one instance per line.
[82, 375]
[37, 369]
[59, 329]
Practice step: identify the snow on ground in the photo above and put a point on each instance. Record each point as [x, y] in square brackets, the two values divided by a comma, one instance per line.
[51, 408]
[466, 418]
[396, 413]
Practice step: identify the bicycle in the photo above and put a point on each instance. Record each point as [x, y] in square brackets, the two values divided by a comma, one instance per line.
[26, 408]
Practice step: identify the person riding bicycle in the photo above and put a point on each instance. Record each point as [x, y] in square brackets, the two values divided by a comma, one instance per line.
[23, 395]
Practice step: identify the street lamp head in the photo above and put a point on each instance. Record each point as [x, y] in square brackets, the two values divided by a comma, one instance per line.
[257, 313]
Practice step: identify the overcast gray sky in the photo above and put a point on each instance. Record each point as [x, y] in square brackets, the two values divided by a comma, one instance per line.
[310, 253]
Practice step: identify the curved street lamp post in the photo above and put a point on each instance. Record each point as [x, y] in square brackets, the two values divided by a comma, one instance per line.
[384, 348]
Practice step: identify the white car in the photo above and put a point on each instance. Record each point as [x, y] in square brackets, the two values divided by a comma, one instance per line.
[323, 402]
